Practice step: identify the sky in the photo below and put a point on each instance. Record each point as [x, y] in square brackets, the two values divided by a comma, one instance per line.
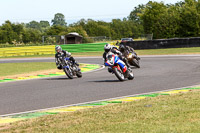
[18, 11]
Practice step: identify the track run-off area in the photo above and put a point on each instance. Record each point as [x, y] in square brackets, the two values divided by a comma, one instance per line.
[157, 73]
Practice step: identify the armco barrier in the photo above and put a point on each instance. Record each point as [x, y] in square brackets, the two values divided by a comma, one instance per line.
[165, 43]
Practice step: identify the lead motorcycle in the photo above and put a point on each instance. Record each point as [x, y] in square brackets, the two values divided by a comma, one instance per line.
[69, 69]
[118, 67]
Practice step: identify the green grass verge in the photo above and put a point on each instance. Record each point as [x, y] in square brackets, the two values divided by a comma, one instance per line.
[162, 114]
[169, 51]
[8, 69]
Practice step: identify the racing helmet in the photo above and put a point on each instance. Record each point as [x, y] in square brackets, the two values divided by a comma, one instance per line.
[121, 47]
[58, 48]
[107, 47]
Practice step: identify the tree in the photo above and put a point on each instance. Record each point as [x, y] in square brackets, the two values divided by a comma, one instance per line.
[56, 30]
[94, 29]
[31, 36]
[190, 19]
[34, 25]
[135, 14]
[44, 24]
[10, 32]
[59, 19]
[154, 19]
[124, 28]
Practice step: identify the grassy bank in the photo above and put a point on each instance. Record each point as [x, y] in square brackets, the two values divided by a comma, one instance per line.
[169, 51]
[20, 68]
[163, 114]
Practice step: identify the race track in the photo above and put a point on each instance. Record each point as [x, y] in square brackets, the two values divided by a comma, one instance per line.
[156, 74]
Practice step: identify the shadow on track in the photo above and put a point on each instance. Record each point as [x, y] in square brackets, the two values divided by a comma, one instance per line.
[64, 78]
[100, 81]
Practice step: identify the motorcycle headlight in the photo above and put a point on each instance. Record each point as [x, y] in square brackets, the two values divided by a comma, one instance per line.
[130, 56]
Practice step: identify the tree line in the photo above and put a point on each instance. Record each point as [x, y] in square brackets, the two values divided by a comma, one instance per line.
[181, 19]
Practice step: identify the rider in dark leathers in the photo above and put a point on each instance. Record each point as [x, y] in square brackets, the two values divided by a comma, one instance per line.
[124, 49]
[63, 54]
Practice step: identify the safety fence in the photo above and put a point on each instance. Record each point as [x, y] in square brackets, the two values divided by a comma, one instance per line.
[80, 48]
[50, 49]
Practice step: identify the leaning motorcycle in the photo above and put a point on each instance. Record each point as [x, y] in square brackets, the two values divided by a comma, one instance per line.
[132, 60]
[70, 69]
[116, 64]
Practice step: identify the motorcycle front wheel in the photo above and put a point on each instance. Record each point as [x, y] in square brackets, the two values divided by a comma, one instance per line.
[69, 73]
[119, 74]
[135, 62]
[131, 76]
[79, 74]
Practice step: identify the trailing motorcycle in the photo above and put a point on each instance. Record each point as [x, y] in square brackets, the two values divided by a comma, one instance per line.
[70, 69]
[130, 55]
[118, 67]
[132, 60]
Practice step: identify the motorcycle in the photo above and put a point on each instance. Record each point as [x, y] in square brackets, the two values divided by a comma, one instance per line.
[130, 55]
[132, 60]
[69, 69]
[118, 67]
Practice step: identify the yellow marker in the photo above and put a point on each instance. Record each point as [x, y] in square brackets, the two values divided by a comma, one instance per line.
[129, 99]
[59, 110]
[23, 78]
[175, 91]
[9, 120]
[85, 69]
[60, 73]
[34, 77]
[68, 109]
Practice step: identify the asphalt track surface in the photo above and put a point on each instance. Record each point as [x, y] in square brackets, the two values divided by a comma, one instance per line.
[156, 74]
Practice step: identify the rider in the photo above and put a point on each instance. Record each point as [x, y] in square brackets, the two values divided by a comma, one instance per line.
[113, 49]
[63, 53]
[124, 49]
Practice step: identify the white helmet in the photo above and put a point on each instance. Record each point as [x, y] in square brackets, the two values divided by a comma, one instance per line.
[107, 47]
[58, 48]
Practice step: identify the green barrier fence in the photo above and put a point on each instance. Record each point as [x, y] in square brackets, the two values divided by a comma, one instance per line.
[79, 48]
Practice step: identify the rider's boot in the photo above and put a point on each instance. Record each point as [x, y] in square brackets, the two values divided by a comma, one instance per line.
[76, 64]
[110, 70]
